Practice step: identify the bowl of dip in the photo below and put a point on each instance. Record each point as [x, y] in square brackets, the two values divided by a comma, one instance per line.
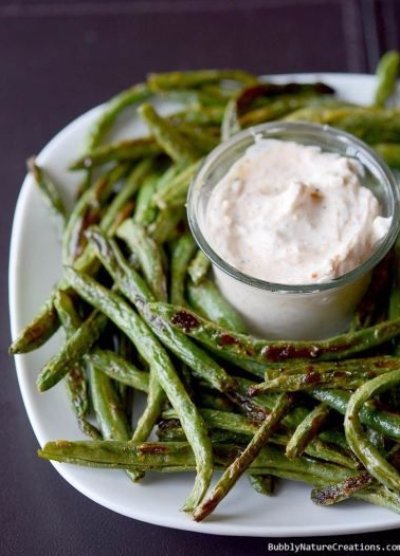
[294, 217]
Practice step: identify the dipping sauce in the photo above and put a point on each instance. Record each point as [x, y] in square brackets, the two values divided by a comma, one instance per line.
[292, 214]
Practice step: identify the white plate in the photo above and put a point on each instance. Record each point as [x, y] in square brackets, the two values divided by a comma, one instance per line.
[35, 266]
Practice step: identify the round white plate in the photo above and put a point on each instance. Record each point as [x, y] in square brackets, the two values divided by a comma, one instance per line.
[35, 266]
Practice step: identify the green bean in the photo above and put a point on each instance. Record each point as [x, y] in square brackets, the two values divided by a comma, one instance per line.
[340, 455]
[386, 422]
[367, 367]
[168, 224]
[67, 312]
[113, 109]
[242, 462]
[383, 127]
[218, 91]
[178, 457]
[145, 212]
[394, 298]
[366, 452]
[267, 401]
[132, 183]
[202, 141]
[39, 330]
[199, 267]
[50, 193]
[296, 382]
[85, 183]
[76, 378]
[104, 123]
[207, 300]
[333, 494]
[386, 72]
[81, 217]
[373, 305]
[107, 406]
[119, 369]
[108, 409]
[194, 357]
[263, 484]
[169, 175]
[174, 192]
[252, 367]
[210, 399]
[116, 265]
[306, 431]
[321, 114]
[270, 91]
[168, 432]
[146, 422]
[149, 213]
[199, 115]
[372, 125]
[377, 439]
[224, 420]
[193, 79]
[128, 150]
[274, 110]
[131, 324]
[390, 152]
[150, 260]
[182, 253]
[248, 407]
[134, 288]
[263, 351]
[168, 137]
[72, 350]
[230, 121]
[148, 254]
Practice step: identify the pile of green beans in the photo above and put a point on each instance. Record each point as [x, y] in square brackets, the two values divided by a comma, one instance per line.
[141, 313]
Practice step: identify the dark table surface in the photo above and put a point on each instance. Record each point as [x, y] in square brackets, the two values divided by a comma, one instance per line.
[58, 59]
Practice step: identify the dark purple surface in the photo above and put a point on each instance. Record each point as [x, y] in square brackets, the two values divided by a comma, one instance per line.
[58, 59]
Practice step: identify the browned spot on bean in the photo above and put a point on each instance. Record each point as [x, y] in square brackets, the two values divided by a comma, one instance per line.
[152, 448]
[225, 339]
[186, 321]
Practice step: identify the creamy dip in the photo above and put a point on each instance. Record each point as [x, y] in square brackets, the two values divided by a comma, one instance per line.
[293, 214]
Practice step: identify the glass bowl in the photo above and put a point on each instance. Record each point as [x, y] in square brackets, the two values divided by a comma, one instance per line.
[286, 311]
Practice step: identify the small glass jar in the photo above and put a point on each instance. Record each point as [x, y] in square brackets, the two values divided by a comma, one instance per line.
[309, 311]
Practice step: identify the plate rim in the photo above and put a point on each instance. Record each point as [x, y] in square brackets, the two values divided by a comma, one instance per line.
[65, 470]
